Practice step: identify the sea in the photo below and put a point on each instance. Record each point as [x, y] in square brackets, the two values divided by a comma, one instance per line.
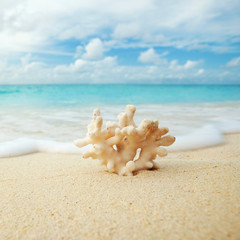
[48, 118]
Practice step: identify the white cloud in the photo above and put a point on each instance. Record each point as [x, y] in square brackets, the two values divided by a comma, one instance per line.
[80, 64]
[127, 30]
[29, 65]
[150, 56]
[94, 49]
[25, 59]
[235, 62]
[174, 65]
[3, 64]
[30, 26]
[85, 71]
[104, 70]
[188, 65]
[79, 51]
[200, 71]
[50, 27]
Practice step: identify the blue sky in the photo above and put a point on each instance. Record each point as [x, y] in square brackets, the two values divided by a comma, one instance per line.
[128, 41]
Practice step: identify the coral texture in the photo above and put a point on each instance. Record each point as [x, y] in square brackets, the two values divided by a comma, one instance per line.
[125, 148]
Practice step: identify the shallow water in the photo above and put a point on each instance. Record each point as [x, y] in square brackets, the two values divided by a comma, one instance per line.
[101, 95]
[197, 115]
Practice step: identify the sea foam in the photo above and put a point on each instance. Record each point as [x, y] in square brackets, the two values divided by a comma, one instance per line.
[206, 136]
[24, 131]
[24, 146]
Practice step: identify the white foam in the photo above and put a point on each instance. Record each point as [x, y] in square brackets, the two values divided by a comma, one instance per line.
[206, 136]
[24, 146]
[194, 125]
[228, 125]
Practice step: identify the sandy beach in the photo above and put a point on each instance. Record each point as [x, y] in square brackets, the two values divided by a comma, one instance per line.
[195, 195]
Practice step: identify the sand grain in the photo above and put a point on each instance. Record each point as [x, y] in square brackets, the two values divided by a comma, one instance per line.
[195, 195]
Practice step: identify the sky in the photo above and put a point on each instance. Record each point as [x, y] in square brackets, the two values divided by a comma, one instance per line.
[127, 41]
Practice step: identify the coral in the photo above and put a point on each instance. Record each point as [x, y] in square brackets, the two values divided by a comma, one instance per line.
[125, 148]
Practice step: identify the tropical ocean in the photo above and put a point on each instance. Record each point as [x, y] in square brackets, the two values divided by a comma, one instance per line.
[49, 117]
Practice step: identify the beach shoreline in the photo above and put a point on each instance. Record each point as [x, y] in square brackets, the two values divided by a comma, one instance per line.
[195, 195]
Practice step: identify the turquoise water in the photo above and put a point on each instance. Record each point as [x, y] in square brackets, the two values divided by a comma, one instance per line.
[90, 95]
[49, 117]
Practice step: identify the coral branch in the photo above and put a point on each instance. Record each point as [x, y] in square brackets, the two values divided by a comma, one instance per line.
[116, 146]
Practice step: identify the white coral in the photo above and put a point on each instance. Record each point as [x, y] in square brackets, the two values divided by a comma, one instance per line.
[117, 145]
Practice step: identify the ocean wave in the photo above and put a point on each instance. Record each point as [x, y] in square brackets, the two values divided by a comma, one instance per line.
[207, 136]
[194, 125]
[9, 91]
[23, 146]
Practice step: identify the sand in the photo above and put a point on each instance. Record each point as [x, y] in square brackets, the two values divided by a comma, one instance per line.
[195, 195]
